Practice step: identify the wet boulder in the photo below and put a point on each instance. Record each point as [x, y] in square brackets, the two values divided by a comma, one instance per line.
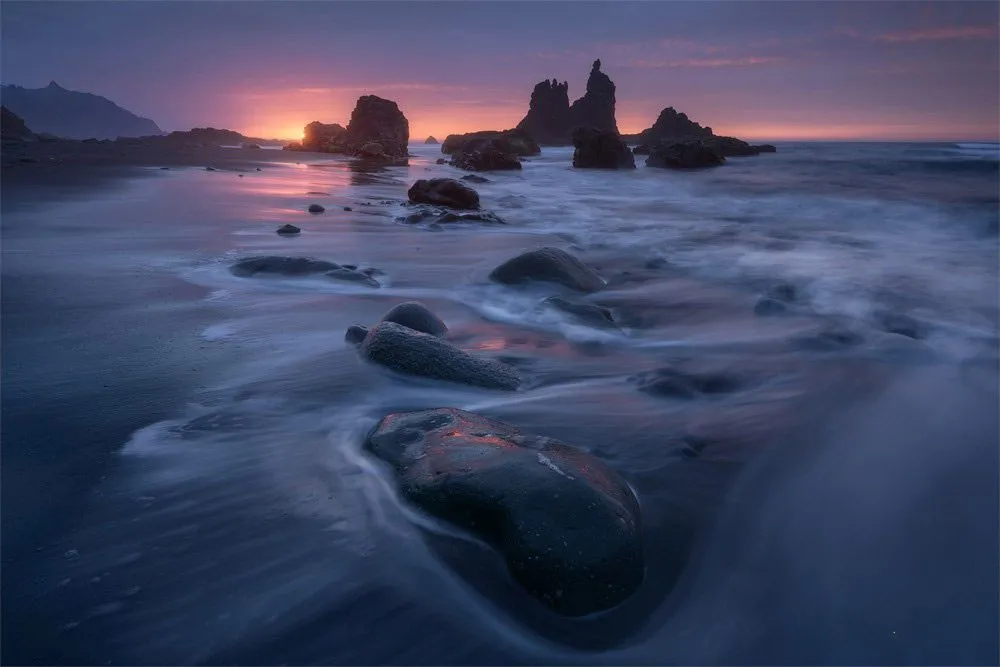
[475, 178]
[684, 155]
[514, 142]
[600, 149]
[416, 316]
[288, 230]
[548, 265]
[567, 525]
[405, 350]
[595, 316]
[355, 334]
[487, 158]
[442, 216]
[315, 208]
[443, 192]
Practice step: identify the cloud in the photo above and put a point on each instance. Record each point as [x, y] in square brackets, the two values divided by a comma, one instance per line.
[939, 34]
[750, 61]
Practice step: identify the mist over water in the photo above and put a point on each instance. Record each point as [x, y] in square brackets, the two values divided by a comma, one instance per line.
[840, 507]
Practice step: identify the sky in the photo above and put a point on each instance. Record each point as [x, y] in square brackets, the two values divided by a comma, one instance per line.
[841, 70]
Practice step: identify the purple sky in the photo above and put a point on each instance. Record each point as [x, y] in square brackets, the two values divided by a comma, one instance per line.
[758, 70]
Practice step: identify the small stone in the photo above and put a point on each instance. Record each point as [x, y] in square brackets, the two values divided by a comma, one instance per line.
[316, 208]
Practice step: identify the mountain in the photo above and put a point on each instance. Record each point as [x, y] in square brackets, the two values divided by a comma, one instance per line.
[551, 119]
[74, 115]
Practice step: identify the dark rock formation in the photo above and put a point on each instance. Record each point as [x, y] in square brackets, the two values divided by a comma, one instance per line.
[548, 118]
[597, 107]
[251, 146]
[518, 142]
[432, 215]
[374, 122]
[288, 230]
[13, 129]
[355, 334]
[415, 353]
[693, 155]
[600, 149]
[674, 127]
[551, 119]
[74, 115]
[316, 208]
[566, 524]
[431, 141]
[548, 265]
[595, 316]
[440, 160]
[473, 178]
[487, 158]
[443, 192]
[416, 316]
[298, 267]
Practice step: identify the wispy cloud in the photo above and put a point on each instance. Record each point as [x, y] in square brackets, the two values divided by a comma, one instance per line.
[939, 34]
[750, 61]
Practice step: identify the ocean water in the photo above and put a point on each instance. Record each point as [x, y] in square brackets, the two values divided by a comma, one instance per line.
[183, 474]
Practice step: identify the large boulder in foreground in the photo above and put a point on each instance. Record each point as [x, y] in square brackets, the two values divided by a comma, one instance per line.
[443, 192]
[548, 265]
[566, 524]
[406, 350]
[600, 149]
[506, 141]
[689, 155]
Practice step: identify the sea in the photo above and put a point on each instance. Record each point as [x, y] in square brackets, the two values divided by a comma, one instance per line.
[183, 473]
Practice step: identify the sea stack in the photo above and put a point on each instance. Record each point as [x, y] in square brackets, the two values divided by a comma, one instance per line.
[551, 119]
[431, 141]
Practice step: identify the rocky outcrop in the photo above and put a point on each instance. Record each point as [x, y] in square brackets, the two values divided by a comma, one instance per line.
[600, 149]
[487, 158]
[299, 267]
[412, 352]
[378, 130]
[518, 142]
[548, 264]
[551, 119]
[443, 192]
[693, 155]
[13, 129]
[548, 118]
[674, 127]
[288, 230]
[431, 141]
[567, 525]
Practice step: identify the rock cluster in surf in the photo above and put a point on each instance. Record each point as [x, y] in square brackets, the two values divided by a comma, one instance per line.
[378, 130]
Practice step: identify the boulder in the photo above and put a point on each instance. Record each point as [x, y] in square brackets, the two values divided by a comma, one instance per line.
[297, 267]
[487, 158]
[416, 316]
[516, 142]
[595, 316]
[567, 525]
[379, 121]
[691, 155]
[443, 192]
[431, 141]
[600, 149]
[315, 208]
[288, 230]
[355, 334]
[548, 265]
[473, 178]
[440, 160]
[413, 352]
[321, 137]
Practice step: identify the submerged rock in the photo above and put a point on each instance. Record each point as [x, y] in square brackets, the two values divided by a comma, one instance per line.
[355, 334]
[566, 524]
[297, 267]
[416, 316]
[596, 316]
[474, 178]
[550, 265]
[443, 192]
[515, 142]
[600, 149]
[432, 215]
[678, 384]
[690, 155]
[416, 353]
[288, 230]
